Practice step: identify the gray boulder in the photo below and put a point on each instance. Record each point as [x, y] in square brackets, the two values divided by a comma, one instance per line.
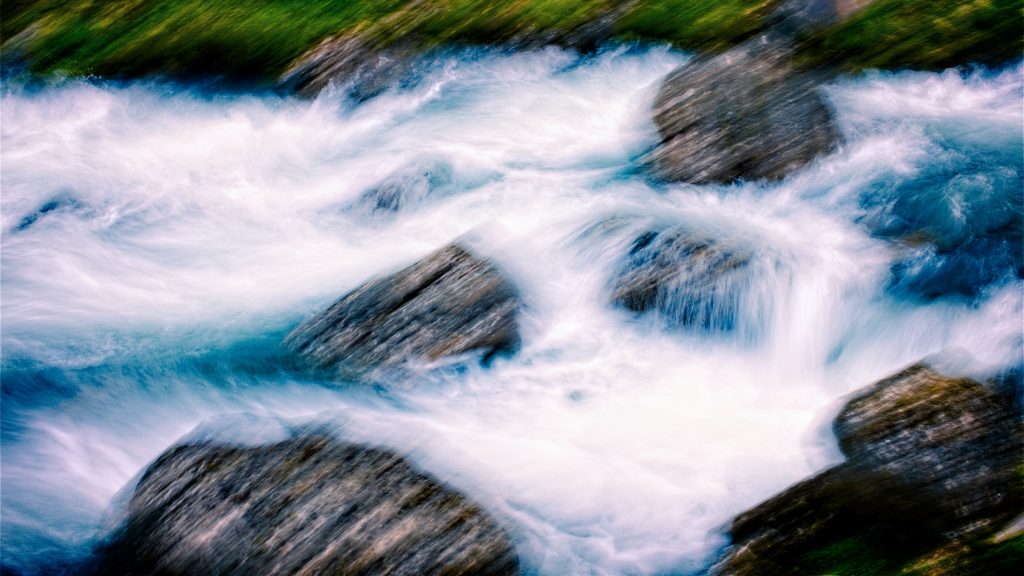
[356, 60]
[744, 114]
[688, 277]
[451, 302]
[931, 460]
[310, 505]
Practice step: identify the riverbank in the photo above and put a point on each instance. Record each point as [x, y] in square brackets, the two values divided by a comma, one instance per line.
[255, 43]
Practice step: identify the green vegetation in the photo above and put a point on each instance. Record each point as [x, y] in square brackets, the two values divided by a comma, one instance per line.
[435, 22]
[984, 559]
[695, 25]
[128, 38]
[923, 34]
[853, 556]
[257, 39]
[869, 556]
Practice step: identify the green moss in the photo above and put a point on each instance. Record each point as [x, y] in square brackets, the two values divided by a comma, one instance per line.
[695, 24]
[258, 39]
[486, 21]
[852, 556]
[979, 559]
[234, 38]
[922, 34]
[863, 555]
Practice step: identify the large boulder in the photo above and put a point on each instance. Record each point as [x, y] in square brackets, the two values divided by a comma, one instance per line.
[952, 437]
[449, 303]
[747, 114]
[687, 276]
[870, 514]
[309, 505]
[931, 461]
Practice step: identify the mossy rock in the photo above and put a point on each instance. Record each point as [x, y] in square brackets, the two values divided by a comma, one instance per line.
[932, 472]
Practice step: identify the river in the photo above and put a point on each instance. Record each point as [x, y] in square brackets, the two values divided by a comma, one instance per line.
[158, 240]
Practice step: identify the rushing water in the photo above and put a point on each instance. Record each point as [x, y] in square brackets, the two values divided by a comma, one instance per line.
[159, 241]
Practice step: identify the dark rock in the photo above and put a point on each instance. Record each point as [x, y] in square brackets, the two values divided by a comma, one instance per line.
[410, 185]
[356, 60]
[744, 114]
[1009, 387]
[930, 460]
[840, 504]
[449, 303]
[589, 36]
[375, 58]
[309, 505]
[952, 437]
[689, 277]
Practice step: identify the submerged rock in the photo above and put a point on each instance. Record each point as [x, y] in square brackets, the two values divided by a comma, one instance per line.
[449, 303]
[412, 184]
[309, 505]
[930, 460]
[744, 114]
[689, 277]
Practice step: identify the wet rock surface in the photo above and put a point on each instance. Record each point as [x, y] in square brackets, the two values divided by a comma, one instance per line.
[371, 60]
[930, 460]
[952, 437]
[745, 114]
[309, 505]
[685, 275]
[449, 303]
[356, 60]
[409, 186]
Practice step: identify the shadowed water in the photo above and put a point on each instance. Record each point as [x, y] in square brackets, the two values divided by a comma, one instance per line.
[158, 243]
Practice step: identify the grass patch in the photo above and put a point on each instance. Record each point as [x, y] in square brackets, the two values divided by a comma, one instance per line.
[922, 34]
[258, 39]
[695, 24]
[129, 38]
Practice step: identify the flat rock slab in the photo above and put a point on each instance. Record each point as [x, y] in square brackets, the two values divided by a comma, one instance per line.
[449, 303]
[310, 505]
[745, 114]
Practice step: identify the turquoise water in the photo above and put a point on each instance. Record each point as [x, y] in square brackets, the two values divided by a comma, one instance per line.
[158, 241]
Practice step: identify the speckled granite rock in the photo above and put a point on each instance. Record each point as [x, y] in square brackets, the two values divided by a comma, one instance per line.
[744, 114]
[449, 303]
[310, 505]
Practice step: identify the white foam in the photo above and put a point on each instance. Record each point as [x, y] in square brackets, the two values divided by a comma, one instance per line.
[606, 445]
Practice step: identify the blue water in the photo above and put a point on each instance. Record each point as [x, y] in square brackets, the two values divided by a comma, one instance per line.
[158, 241]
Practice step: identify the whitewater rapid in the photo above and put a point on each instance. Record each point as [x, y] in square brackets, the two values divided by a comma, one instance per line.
[159, 240]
